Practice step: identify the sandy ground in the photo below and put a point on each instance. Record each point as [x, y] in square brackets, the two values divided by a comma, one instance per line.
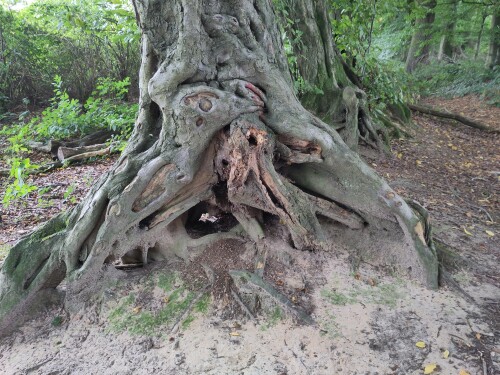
[366, 320]
[365, 323]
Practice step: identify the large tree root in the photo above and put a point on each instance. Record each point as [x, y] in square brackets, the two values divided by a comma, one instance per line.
[220, 130]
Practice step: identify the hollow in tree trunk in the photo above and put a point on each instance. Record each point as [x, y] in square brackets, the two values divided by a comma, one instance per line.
[219, 126]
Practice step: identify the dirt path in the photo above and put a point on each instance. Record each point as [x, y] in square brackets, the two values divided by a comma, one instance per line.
[367, 320]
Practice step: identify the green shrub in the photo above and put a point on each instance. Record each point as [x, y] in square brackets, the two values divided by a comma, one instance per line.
[18, 187]
[459, 79]
[68, 118]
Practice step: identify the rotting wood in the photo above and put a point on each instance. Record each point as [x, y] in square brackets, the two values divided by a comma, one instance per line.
[64, 153]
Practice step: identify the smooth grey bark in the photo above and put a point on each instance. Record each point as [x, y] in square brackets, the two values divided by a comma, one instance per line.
[218, 124]
[419, 45]
[446, 43]
[493, 58]
[479, 35]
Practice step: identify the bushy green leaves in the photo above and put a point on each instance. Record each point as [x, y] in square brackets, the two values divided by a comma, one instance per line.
[68, 118]
[19, 169]
[78, 40]
[459, 79]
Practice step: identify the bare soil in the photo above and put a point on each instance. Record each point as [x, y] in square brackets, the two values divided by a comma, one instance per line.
[367, 320]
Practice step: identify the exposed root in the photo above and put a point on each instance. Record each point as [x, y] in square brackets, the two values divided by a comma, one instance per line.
[219, 128]
[255, 288]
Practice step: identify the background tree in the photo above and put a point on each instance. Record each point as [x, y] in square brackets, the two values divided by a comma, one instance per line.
[79, 41]
[419, 46]
[493, 58]
[219, 125]
[447, 39]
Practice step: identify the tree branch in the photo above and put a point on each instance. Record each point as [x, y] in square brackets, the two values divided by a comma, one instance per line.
[453, 116]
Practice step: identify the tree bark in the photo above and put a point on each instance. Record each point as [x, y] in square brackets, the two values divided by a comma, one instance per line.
[219, 125]
[479, 35]
[493, 58]
[335, 94]
[446, 43]
[419, 46]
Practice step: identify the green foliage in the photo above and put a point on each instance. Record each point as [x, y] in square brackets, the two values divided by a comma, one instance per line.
[79, 40]
[66, 117]
[18, 187]
[463, 78]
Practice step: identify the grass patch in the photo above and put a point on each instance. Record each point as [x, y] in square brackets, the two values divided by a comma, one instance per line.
[272, 318]
[185, 324]
[336, 298]
[383, 294]
[330, 327]
[202, 304]
[130, 316]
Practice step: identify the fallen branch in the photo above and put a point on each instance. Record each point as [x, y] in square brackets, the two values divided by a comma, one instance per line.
[65, 153]
[453, 116]
[98, 137]
[58, 164]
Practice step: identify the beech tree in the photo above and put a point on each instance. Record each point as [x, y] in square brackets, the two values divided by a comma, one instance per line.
[219, 128]
[419, 46]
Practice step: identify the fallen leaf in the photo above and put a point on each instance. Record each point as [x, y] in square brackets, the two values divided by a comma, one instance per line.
[418, 162]
[420, 344]
[400, 155]
[166, 299]
[463, 372]
[137, 309]
[446, 354]
[429, 369]
[467, 232]
[478, 336]
[489, 233]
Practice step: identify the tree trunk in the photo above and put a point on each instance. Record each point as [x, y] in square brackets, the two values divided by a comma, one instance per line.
[419, 46]
[218, 125]
[479, 35]
[493, 58]
[335, 94]
[446, 43]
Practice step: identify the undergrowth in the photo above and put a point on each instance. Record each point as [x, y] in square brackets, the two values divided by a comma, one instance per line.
[459, 79]
[66, 118]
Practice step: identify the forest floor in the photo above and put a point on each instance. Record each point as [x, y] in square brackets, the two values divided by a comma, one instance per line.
[367, 320]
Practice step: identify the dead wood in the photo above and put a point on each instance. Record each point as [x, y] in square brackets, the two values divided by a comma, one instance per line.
[98, 137]
[453, 116]
[58, 164]
[64, 153]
